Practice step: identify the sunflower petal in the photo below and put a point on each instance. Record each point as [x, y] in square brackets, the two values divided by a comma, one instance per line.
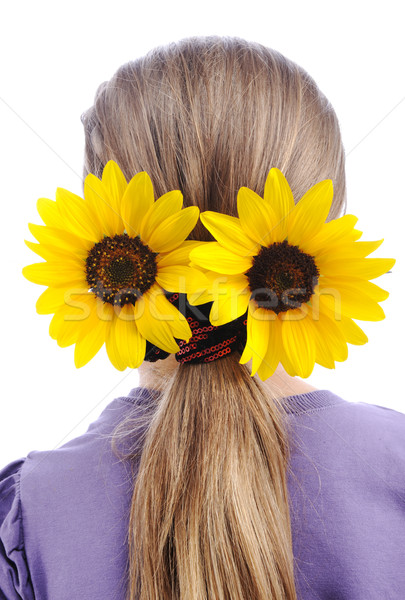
[174, 230]
[356, 234]
[137, 200]
[104, 207]
[213, 256]
[229, 306]
[176, 321]
[349, 251]
[363, 286]
[298, 343]
[367, 268]
[256, 216]
[159, 336]
[113, 350]
[229, 233]
[330, 332]
[352, 332]
[272, 357]
[278, 194]
[352, 303]
[77, 217]
[310, 213]
[56, 274]
[179, 256]
[56, 323]
[200, 297]
[166, 206]
[53, 253]
[323, 353]
[328, 323]
[130, 342]
[49, 212]
[51, 299]
[58, 238]
[71, 318]
[178, 278]
[287, 364]
[215, 286]
[67, 332]
[330, 234]
[153, 324]
[258, 332]
[114, 181]
[247, 353]
[92, 339]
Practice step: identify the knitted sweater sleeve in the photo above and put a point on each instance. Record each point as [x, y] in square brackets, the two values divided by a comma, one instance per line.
[15, 580]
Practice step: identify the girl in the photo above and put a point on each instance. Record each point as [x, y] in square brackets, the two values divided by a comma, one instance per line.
[225, 486]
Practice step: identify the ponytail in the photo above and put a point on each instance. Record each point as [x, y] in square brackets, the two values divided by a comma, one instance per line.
[209, 515]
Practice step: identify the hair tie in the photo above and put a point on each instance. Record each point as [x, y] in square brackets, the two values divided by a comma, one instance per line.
[208, 342]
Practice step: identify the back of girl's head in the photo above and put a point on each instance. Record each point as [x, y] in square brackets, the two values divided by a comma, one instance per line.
[210, 115]
[209, 513]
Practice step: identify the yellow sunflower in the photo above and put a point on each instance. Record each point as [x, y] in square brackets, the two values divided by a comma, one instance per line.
[301, 280]
[109, 259]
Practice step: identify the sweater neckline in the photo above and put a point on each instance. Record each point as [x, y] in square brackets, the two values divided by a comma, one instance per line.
[293, 405]
[310, 401]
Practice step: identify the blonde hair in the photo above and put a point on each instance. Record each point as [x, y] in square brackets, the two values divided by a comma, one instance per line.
[209, 513]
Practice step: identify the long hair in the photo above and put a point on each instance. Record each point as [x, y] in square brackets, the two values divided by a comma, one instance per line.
[209, 514]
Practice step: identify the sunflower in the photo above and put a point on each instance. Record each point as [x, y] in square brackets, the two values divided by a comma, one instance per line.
[300, 279]
[110, 257]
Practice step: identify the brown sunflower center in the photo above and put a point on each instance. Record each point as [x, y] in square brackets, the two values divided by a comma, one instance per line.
[282, 277]
[119, 269]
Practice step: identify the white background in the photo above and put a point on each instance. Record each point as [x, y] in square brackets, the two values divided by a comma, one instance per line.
[54, 56]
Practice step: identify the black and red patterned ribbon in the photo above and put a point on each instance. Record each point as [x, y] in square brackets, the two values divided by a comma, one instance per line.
[208, 342]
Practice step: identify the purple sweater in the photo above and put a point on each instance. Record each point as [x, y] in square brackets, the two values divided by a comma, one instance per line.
[64, 513]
